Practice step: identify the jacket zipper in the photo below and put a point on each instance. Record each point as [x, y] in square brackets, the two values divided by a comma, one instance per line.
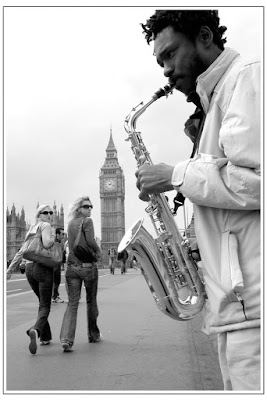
[239, 298]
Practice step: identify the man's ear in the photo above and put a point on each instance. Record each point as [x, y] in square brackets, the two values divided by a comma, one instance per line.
[205, 36]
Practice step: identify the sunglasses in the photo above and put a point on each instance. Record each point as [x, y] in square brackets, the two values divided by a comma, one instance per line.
[87, 206]
[47, 212]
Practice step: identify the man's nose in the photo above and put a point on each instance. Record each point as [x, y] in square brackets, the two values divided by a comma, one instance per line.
[168, 70]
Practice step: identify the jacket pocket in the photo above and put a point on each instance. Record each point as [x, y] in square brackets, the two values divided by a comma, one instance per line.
[231, 274]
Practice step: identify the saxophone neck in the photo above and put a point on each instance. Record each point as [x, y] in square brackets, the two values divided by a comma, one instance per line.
[130, 120]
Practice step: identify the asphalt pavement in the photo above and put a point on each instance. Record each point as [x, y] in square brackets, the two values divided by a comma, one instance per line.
[142, 351]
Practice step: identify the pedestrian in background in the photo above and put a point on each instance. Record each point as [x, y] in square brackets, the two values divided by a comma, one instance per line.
[134, 263]
[122, 258]
[222, 178]
[57, 271]
[79, 272]
[112, 259]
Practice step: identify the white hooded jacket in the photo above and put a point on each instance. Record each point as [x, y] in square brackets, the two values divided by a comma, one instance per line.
[223, 182]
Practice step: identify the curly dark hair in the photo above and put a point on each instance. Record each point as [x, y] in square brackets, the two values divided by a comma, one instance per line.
[188, 22]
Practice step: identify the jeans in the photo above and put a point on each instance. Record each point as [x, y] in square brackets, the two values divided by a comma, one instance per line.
[40, 279]
[75, 275]
[57, 280]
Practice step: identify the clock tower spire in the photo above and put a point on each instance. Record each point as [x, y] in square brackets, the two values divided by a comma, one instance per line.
[112, 195]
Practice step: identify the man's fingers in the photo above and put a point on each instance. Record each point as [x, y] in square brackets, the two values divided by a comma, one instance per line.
[144, 196]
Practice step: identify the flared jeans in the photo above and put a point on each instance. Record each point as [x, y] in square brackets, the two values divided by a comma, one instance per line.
[76, 274]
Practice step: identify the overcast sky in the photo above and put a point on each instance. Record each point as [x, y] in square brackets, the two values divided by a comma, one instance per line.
[71, 73]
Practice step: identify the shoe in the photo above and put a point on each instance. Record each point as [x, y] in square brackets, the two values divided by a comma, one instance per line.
[44, 342]
[57, 300]
[33, 344]
[66, 347]
[95, 340]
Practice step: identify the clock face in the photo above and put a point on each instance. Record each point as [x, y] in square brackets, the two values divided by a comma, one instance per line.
[109, 184]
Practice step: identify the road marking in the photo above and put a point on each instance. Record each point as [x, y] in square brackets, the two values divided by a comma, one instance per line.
[30, 291]
[14, 290]
[17, 280]
[25, 279]
[19, 294]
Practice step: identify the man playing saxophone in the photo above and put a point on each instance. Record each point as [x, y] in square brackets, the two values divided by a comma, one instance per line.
[221, 179]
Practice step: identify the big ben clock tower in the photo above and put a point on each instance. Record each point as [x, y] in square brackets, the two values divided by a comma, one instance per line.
[112, 195]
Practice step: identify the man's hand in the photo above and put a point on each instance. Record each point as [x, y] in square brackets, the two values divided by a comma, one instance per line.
[153, 179]
[194, 249]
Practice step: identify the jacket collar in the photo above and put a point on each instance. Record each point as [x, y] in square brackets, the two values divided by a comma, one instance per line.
[207, 81]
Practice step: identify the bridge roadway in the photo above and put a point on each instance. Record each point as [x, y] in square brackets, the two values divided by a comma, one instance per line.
[142, 351]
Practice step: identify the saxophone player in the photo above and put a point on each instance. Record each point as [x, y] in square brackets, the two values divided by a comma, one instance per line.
[221, 179]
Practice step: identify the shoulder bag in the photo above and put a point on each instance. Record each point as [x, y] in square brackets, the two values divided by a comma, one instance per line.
[33, 250]
[81, 249]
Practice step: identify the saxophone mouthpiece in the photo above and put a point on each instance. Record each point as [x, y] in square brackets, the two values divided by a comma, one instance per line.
[165, 91]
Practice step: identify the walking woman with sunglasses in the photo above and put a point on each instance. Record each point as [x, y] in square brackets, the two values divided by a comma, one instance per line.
[40, 279]
[78, 272]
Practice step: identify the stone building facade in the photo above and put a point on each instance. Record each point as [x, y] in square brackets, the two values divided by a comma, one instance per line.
[191, 228]
[16, 228]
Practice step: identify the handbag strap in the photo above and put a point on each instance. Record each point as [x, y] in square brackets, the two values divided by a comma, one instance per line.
[81, 227]
[37, 234]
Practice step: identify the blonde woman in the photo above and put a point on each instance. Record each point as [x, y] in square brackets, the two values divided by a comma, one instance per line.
[40, 279]
[78, 272]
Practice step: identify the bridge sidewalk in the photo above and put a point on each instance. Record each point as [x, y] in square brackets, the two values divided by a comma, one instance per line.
[142, 349]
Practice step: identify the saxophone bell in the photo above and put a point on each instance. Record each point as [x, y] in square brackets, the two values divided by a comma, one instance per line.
[175, 300]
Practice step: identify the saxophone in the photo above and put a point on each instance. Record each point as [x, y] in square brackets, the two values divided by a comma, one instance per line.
[166, 264]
